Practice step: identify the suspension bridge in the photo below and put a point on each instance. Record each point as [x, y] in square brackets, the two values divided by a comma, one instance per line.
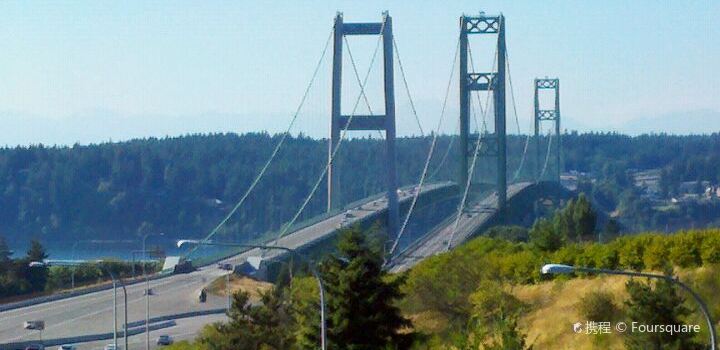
[474, 147]
[482, 153]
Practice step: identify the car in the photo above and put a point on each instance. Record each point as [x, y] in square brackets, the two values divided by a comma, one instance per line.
[111, 347]
[148, 291]
[164, 340]
[227, 266]
[34, 325]
[66, 347]
[35, 347]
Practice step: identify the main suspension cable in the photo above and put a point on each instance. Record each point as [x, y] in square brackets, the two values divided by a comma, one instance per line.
[275, 151]
[337, 146]
[430, 152]
[517, 120]
[547, 155]
[478, 144]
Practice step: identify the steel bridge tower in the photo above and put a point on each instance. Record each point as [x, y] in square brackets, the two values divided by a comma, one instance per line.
[494, 143]
[385, 122]
[552, 115]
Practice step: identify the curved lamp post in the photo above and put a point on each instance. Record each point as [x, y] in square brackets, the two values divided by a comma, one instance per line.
[314, 272]
[34, 264]
[567, 269]
[147, 290]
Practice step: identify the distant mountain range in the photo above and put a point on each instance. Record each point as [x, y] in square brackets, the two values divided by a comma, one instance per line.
[682, 123]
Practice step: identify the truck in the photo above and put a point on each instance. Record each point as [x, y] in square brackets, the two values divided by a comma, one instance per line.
[184, 266]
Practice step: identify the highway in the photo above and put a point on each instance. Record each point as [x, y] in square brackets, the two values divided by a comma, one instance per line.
[186, 329]
[435, 242]
[92, 313]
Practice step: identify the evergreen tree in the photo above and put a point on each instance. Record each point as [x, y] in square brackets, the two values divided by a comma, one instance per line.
[5, 252]
[36, 251]
[661, 305]
[360, 298]
[584, 218]
[5, 259]
[545, 236]
[265, 326]
[37, 276]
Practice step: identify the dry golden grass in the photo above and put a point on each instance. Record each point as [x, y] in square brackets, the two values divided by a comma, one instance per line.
[548, 325]
[239, 283]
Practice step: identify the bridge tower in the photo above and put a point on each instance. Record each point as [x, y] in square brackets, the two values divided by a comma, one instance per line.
[552, 115]
[365, 122]
[494, 143]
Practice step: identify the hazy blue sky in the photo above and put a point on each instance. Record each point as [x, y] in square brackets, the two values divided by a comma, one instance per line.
[88, 71]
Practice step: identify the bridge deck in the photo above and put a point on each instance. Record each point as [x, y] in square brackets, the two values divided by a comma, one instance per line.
[436, 241]
[92, 313]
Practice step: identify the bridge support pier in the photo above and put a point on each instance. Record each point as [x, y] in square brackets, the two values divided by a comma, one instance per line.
[552, 115]
[493, 144]
[339, 122]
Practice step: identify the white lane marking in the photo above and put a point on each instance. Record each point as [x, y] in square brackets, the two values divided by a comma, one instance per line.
[55, 325]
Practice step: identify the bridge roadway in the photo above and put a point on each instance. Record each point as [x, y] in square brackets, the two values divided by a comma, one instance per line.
[435, 242]
[92, 313]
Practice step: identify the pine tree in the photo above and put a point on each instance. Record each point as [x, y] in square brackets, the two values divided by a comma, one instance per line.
[584, 217]
[360, 298]
[265, 326]
[661, 305]
[36, 251]
[5, 252]
[37, 276]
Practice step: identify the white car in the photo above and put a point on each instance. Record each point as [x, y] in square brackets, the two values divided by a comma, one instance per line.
[66, 347]
[111, 347]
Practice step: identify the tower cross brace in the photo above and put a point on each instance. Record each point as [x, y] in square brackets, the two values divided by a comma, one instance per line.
[492, 82]
[551, 115]
[384, 122]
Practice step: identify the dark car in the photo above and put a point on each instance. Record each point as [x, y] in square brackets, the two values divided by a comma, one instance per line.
[164, 340]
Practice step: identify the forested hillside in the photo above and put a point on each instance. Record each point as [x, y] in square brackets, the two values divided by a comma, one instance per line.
[185, 185]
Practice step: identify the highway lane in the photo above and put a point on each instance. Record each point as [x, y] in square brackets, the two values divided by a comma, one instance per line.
[436, 241]
[92, 313]
[185, 329]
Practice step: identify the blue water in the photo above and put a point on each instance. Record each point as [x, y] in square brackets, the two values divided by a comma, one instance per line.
[91, 251]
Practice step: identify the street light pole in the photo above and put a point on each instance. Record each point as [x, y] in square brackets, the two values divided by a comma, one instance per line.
[323, 333]
[34, 264]
[147, 291]
[565, 269]
[72, 273]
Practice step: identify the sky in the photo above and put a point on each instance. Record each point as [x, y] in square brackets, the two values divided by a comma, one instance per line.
[94, 71]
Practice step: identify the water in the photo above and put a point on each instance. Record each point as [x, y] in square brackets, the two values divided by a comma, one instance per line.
[98, 250]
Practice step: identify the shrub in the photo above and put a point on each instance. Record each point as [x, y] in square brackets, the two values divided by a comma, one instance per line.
[656, 254]
[685, 249]
[710, 249]
[598, 306]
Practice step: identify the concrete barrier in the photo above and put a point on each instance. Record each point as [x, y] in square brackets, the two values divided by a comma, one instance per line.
[65, 295]
[84, 338]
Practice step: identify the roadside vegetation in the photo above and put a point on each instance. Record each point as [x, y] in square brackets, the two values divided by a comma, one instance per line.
[19, 281]
[486, 294]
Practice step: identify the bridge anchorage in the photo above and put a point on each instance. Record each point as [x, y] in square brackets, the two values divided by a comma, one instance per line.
[385, 122]
[488, 144]
[552, 115]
